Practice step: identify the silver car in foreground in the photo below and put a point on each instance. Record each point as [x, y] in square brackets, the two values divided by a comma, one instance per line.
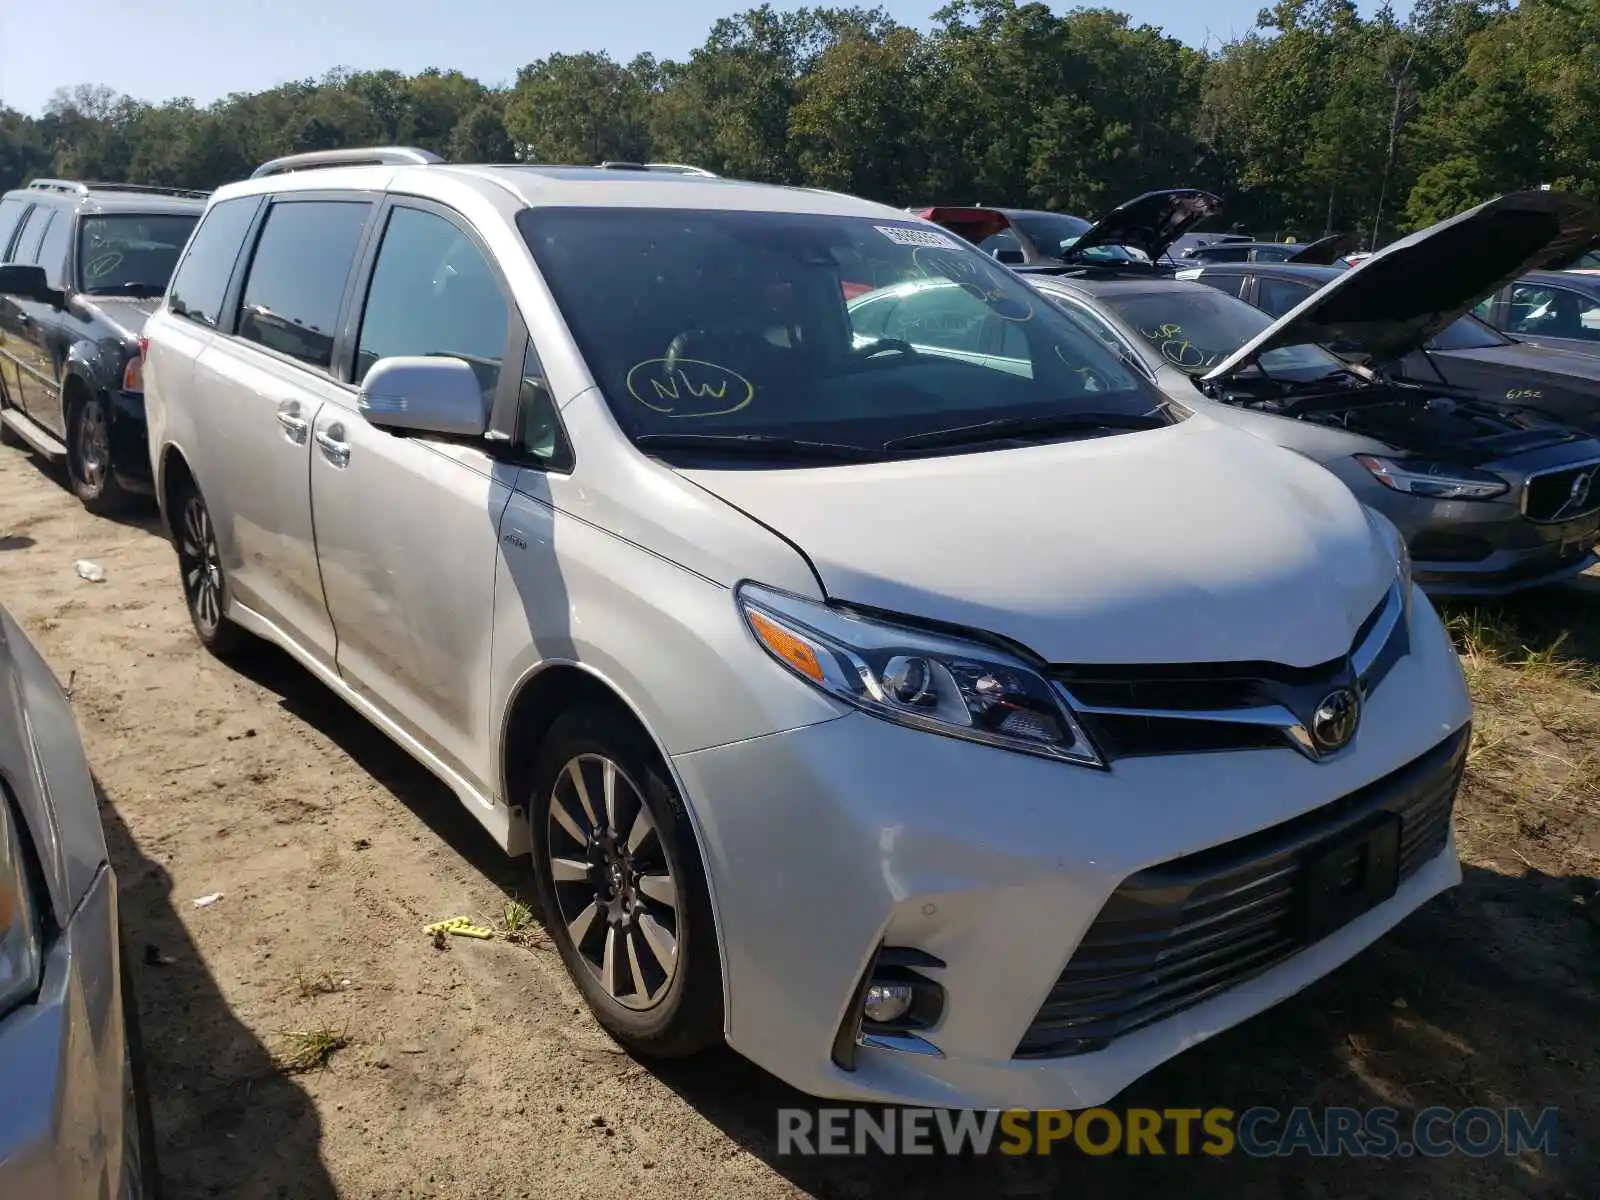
[74, 1117]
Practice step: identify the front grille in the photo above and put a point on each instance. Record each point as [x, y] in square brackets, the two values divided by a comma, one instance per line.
[1563, 494]
[1174, 935]
[1187, 708]
[1438, 546]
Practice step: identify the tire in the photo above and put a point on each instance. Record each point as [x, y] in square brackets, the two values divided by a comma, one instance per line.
[89, 466]
[606, 884]
[205, 586]
[141, 1175]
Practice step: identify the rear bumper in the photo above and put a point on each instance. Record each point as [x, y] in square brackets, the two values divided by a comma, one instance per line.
[130, 442]
[61, 1063]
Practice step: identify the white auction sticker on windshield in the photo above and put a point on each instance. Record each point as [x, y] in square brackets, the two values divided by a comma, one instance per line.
[902, 236]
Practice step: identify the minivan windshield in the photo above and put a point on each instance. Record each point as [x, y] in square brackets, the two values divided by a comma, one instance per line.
[131, 253]
[765, 333]
[1195, 327]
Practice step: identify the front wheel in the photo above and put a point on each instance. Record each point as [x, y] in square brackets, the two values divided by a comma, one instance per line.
[89, 458]
[205, 586]
[621, 886]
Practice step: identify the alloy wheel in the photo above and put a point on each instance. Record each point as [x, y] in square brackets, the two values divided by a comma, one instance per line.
[93, 446]
[613, 882]
[201, 564]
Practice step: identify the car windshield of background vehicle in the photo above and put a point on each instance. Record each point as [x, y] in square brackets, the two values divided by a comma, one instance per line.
[1554, 312]
[129, 253]
[1055, 234]
[1195, 330]
[849, 331]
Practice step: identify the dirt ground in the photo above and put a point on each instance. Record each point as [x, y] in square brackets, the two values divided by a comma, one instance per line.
[473, 1071]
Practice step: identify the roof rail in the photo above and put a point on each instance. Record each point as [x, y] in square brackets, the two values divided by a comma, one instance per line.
[664, 168]
[59, 185]
[149, 189]
[364, 156]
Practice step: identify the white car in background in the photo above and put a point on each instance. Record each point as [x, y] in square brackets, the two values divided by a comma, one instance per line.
[934, 733]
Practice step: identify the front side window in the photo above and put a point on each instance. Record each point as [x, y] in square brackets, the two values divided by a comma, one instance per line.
[846, 330]
[1195, 329]
[202, 279]
[130, 254]
[1553, 312]
[1467, 333]
[298, 275]
[433, 293]
[11, 213]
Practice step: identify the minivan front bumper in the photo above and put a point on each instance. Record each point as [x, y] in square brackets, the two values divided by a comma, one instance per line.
[825, 843]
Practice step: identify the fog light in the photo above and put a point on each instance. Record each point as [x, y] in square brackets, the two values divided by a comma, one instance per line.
[886, 1003]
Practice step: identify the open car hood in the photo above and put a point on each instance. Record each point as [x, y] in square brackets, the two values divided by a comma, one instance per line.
[1324, 252]
[1150, 222]
[1388, 305]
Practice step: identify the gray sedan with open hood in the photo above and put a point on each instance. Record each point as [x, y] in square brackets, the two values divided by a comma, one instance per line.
[1491, 498]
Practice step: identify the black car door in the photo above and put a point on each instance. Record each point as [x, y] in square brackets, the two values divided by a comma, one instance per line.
[30, 374]
[49, 331]
[14, 214]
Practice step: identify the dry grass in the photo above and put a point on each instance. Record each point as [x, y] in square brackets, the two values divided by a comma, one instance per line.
[1532, 793]
[311, 1049]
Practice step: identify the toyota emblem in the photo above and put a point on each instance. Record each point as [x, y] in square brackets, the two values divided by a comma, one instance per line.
[1334, 723]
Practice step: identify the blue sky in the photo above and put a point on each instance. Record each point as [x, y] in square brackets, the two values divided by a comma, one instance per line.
[204, 49]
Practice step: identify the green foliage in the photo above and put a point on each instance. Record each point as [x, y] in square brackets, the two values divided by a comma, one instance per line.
[1318, 119]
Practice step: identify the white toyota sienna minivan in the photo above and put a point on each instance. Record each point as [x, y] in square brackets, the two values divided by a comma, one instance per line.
[926, 709]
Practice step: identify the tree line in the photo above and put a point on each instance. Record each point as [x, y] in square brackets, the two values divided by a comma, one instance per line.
[1318, 120]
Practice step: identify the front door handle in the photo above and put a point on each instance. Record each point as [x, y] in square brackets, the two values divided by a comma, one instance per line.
[294, 425]
[333, 448]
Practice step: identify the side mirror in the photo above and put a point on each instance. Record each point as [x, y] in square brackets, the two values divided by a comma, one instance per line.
[1012, 258]
[424, 395]
[19, 280]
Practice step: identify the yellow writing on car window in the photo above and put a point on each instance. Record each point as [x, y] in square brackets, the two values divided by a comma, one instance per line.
[689, 387]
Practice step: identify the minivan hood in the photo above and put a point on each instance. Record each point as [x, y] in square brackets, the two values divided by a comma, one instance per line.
[1150, 222]
[1191, 543]
[1388, 305]
[126, 313]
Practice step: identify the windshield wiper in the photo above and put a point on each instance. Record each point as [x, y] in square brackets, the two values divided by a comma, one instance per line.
[758, 444]
[1002, 428]
[142, 291]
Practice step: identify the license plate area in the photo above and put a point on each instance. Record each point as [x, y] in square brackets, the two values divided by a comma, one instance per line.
[1579, 539]
[1349, 874]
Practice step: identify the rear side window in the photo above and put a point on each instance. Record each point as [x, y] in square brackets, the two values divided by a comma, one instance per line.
[298, 275]
[32, 234]
[1277, 296]
[1232, 284]
[10, 217]
[202, 278]
[53, 250]
[433, 293]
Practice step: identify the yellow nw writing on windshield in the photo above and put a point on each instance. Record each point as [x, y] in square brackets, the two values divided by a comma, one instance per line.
[688, 387]
[668, 389]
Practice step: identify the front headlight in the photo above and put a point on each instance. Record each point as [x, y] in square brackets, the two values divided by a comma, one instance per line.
[19, 924]
[928, 681]
[1434, 480]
